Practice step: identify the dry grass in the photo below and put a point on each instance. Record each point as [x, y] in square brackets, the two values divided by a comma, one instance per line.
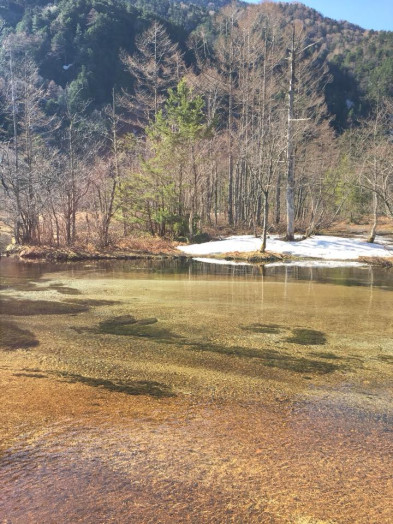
[385, 227]
[125, 248]
[253, 257]
[148, 244]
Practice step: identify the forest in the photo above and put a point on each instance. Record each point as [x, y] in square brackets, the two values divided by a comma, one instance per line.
[126, 118]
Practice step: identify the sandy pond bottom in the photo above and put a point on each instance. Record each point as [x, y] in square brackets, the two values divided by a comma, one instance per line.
[137, 393]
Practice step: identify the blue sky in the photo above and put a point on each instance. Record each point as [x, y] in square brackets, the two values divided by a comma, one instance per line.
[369, 14]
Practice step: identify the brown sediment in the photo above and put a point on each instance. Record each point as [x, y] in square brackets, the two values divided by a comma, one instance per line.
[92, 453]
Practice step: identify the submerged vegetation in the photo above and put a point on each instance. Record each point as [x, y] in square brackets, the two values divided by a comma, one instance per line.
[270, 358]
[136, 387]
[13, 337]
[128, 325]
[21, 307]
[263, 328]
[64, 290]
[306, 337]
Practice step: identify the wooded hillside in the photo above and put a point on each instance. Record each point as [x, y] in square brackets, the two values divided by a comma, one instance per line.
[120, 117]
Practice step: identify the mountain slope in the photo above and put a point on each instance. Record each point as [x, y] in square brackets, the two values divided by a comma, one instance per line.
[80, 41]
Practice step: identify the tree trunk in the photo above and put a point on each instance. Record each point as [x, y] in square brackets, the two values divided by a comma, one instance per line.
[290, 147]
[265, 219]
[373, 231]
[277, 213]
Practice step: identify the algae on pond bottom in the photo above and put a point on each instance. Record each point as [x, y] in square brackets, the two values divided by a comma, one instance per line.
[307, 337]
[263, 328]
[135, 387]
[23, 307]
[13, 337]
[128, 325]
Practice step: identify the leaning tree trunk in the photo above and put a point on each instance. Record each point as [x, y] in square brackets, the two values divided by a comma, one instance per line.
[373, 231]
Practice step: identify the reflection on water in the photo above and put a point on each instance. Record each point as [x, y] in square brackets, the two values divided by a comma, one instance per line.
[20, 273]
[176, 391]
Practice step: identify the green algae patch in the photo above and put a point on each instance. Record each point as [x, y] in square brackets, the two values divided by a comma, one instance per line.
[26, 285]
[386, 358]
[129, 326]
[238, 351]
[30, 375]
[287, 362]
[126, 325]
[8, 284]
[325, 354]
[13, 337]
[65, 290]
[137, 387]
[263, 328]
[23, 307]
[91, 302]
[307, 337]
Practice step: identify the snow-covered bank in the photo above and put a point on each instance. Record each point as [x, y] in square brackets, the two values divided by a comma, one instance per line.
[221, 262]
[322, 247]
[289, 263]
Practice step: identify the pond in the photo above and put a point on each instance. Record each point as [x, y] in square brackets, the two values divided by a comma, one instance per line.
[177, 391]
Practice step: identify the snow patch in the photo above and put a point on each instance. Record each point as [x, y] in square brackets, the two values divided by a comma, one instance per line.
[221, 262]
[317, 263]
[320, 247]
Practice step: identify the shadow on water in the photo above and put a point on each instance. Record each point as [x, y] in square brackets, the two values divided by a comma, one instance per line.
[13, 337]
[23, 307]
[137, 387]
[129, 387]
[269, 358]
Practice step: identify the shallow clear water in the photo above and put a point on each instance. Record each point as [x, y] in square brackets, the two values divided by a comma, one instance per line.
[182, 392]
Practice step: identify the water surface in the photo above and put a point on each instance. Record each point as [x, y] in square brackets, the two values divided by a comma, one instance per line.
[182, 392]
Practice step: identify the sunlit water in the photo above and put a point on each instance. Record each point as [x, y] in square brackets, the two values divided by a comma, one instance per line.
[183, 392]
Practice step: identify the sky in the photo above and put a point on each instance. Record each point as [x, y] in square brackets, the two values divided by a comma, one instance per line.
[369, 14]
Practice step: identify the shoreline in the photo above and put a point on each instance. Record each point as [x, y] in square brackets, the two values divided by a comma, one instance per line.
[50, 254]
[57, 255]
